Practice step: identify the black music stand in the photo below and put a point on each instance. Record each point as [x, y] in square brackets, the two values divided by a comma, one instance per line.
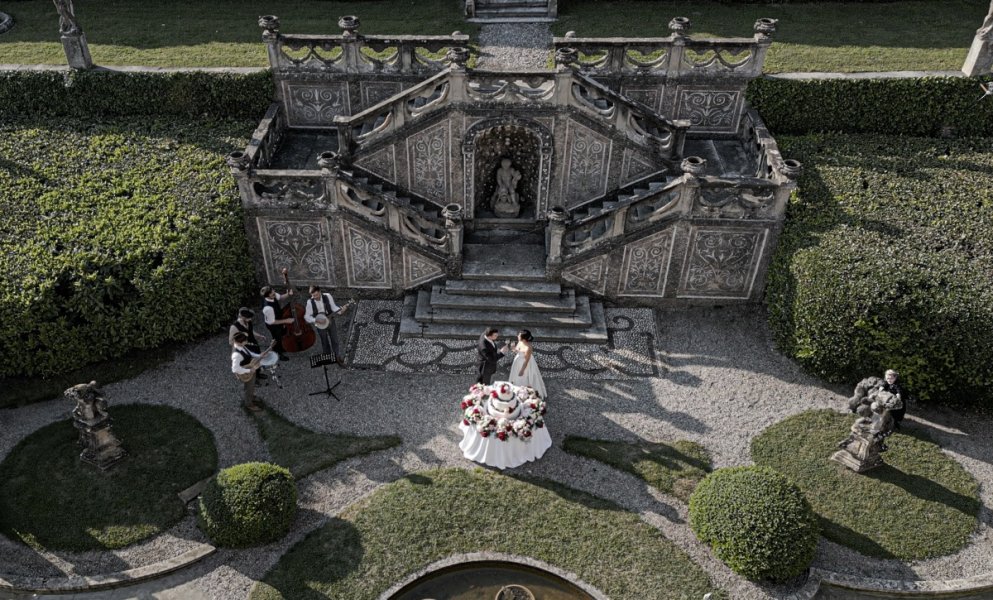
[323, 360]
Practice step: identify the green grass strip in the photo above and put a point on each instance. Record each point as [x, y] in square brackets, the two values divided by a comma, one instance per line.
[920, 504]
[303, 451]
[674, 469]
[413, 522]
[51, 500]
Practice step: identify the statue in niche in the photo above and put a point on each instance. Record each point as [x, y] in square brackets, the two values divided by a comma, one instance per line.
[505, 201]
[67, 17]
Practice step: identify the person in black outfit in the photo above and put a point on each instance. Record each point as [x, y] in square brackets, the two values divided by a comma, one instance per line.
[244, 324]
[890, 385]
[271, 311]
[487, 355]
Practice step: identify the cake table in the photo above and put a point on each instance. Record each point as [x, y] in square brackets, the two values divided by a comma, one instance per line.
[503, 425]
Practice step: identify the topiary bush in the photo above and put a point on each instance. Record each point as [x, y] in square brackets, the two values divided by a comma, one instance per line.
[756, 521]
[248, 504]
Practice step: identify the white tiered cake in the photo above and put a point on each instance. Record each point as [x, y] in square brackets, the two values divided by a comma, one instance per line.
[504, 405]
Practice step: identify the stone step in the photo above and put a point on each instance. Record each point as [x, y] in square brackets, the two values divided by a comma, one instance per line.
[493, 20]
[491, 4]
[505, 236]
[411, 328]
[579, 319]
[564, 303]
[503, 287]
[488, 261]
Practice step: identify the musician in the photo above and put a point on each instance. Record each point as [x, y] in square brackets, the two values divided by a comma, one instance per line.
[243, 323]
[323, 304]
[270, 313]
[244, 362]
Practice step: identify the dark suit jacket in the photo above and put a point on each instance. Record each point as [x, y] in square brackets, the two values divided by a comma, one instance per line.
[487, 356]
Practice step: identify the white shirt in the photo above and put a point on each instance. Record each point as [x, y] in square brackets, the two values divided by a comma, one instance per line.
[310, 316]
[237, 357]
[270, 315]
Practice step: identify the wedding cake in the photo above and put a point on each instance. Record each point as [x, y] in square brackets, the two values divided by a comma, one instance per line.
[503, 403]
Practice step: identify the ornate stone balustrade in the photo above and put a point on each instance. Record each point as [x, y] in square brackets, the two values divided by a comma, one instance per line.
[352, 52]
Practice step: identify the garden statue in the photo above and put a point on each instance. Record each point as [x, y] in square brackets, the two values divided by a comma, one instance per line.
[100, 446]
[874, 402]
[73, 38]
[980, 57]
[505, 201]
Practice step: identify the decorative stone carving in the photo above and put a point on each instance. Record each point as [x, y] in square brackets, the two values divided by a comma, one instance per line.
[382, 162]
[100, 446]
[505, 201]
[418, 269]
[374, 92]
[635, 165]
[367, 258]
[302, 247]
[645, 267]
[427, 157]
[647, 96]
[289, 191]
[709, 110]
[861, 451]
[721, 263]
[590, 274]
[585, 176]
[309, 105]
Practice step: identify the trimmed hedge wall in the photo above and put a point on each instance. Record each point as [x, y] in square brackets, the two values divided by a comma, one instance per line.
[117, 235]
[125, 93]
[886, 261]
[919, 106]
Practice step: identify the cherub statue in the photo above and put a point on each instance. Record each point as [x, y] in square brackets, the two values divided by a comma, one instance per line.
[67, 17]
[875, 401]
[505, 201]
[90, 404]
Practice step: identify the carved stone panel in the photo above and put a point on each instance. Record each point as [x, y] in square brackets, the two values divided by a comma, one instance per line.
[315, 105]
[721, 263]
[428, 163]
[303, 247]
[367, 258]
[645, 267]
[647, 96]
[590, 274]
[418, 269]
[374, 92]
[708, 109]
[586, 164]
[382, 162]
[635, 165]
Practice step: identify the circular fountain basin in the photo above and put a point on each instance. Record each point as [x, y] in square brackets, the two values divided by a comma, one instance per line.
[490, 580]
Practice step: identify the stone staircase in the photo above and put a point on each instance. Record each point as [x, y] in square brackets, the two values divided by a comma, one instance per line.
[511, 11]
[503, 284]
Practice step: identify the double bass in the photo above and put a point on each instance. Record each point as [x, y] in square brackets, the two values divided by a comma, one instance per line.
[299, 336]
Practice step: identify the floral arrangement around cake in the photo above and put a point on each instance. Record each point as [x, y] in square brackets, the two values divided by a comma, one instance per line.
[475, 413]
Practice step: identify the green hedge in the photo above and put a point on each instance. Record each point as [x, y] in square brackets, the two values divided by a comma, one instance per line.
[918, 106]
[248, 504]
[117, 235]
[756, 521]
[886, 261]
[121, 93]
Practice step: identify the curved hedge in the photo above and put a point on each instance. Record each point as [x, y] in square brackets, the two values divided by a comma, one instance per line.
[886, 261]
[117, 235]
[248, 504]
[756, 521]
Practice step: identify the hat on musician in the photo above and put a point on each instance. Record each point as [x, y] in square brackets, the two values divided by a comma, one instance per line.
[240, 338]
[315, 289]
[246, 313]
[265, 291]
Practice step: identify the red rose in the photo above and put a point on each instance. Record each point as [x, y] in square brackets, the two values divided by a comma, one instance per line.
[539, 424]
[502, 435]
[542, 410]
[527, 433]
[484, 433]
[465, 421]
[493, 394]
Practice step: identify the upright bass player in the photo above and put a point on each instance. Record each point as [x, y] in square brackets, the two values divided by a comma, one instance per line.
[271, 312]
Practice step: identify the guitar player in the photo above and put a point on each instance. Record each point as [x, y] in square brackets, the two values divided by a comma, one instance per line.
[323, 304]
[244, 364]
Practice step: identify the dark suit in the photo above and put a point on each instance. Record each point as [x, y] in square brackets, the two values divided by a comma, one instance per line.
[486, 360]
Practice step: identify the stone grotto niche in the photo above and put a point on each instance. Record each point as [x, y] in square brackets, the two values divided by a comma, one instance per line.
[523, 148]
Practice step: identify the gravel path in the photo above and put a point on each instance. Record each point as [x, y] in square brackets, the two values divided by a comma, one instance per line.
[514, 46]
[721, 385]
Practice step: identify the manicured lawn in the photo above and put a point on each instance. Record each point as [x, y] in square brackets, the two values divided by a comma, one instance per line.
[418, 520]
[920, 504]
[819, 36]
[52, 500]
[674, 469]
[303, 451]
[219, 33]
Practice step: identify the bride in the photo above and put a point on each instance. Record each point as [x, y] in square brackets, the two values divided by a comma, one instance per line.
[525, 371]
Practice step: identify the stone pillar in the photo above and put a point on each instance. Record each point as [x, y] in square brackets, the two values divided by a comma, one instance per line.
[764, 28]
[860, 452]
[789, 170]
[270, 35]
[458, 58]
[565, 58]
[557, 218]
[980, 58]
[73, 38]
[454, 226]
[693, 167]
[329, 164]
[680, 27]
[350, 42]
[238, 162]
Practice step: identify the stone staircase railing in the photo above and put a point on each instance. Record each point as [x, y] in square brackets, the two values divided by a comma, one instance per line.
[675, 56]
[352, 52]
[627, 194]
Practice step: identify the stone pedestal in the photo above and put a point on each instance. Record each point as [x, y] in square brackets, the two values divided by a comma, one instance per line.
[860, 454]
[77, 52]
[980, 58]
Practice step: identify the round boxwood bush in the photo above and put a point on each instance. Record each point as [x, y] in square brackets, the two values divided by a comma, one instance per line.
[248, 504]
[756, 521]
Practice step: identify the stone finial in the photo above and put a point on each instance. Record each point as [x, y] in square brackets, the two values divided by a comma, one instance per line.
[679, 26]
[349, 26]
[237, 160]
[329, 160]
[791, 168]
[557, 214]
[764, 28]
[570, 34]
[694, 165]
[566, 56]
[458, 56]
[270, 27]
[6, 22]
[453, 214]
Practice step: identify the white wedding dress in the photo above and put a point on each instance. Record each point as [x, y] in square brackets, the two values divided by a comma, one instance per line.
[532, 375]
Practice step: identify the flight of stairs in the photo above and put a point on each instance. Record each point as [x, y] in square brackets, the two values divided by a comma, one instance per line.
[503, 284]
[511, 11]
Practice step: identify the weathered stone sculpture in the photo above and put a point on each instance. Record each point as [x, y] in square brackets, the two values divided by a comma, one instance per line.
[980, 57]
[505, 201]
[100, 446]
[73, 38]
[861, 451]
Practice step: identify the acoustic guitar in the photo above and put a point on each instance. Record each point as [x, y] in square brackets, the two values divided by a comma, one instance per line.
[254, 365]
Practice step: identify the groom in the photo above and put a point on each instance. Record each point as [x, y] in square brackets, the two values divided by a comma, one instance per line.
[487, 355]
